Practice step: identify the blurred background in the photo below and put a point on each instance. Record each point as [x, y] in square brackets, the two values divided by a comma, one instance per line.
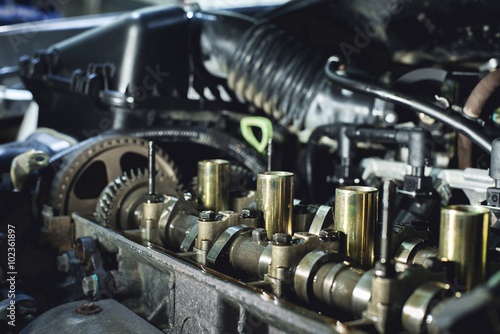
[17, 11]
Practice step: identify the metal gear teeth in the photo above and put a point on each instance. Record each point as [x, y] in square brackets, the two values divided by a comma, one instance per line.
[111, 194]
[72, 164]
[108, 198]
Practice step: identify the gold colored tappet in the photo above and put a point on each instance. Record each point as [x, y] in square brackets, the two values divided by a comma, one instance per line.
[463, 239]
[275, 201]
[213, 184]
[356, 210]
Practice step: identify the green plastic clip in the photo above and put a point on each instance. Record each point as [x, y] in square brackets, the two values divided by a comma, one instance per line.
[265, 126]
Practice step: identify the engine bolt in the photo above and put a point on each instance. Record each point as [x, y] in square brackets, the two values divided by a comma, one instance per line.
[88, 309]
[207, 215]
[328, 234]
[248, 213]
[259, 235]
[89, 286]
[281, 239]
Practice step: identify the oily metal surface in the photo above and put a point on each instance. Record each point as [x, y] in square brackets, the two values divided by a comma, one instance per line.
[183, 288]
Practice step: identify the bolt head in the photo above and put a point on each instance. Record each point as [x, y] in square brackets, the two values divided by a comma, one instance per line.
[88, 309]
[207, 215]
[62, 263]
[248, 213]
[328, 234]
[282, 239]
[259, 235]
[390, 118]
[89, 286]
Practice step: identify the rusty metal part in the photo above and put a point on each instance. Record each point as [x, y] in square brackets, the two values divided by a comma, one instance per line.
[120, 202]
[463, 239]
[473, 108]
[356, 210]
[275, 201]
[88, 309]
[85, 172]
[88, 253]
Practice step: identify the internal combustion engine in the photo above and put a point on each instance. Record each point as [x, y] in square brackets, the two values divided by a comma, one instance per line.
[309, 167]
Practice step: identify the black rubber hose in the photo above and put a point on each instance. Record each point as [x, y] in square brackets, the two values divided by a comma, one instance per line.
[220, 34]
[213, 138]
[331, 131]
[456, 122]
[277, 73]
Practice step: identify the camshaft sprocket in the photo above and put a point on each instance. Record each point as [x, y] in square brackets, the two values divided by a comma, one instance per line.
[119, 204]
[85, 172]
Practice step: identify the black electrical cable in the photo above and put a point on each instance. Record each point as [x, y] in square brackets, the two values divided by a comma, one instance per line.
[454, 121]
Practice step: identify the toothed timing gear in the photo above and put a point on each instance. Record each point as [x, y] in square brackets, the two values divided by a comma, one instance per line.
[86, 171]
[120, 202]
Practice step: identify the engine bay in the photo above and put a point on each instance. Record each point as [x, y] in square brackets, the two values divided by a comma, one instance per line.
[309, 167]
